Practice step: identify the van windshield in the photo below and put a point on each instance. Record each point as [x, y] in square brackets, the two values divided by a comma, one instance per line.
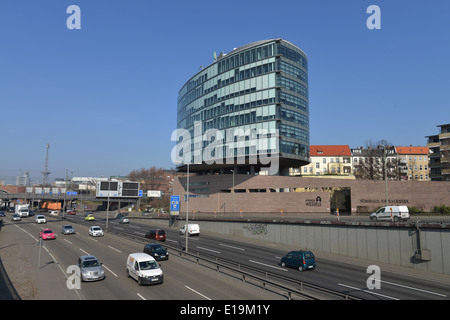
[148, 265]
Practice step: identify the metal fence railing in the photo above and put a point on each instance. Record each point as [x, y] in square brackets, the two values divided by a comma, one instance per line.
[284, 285]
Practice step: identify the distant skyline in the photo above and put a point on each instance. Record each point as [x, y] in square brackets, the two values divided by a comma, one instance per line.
[105, 96]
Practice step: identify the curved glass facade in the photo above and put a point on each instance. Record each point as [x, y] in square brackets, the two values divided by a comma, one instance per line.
[249, 102]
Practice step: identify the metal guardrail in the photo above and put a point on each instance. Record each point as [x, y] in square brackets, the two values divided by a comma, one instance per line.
[220, 265]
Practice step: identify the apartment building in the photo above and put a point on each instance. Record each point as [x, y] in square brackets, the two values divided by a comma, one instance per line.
[333, 160]
[439, 157]
[414, 162]
[402, 163]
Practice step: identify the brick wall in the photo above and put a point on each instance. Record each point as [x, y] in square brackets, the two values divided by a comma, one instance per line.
[213, 192]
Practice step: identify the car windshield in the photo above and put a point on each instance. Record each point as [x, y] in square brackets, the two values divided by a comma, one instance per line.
[148, 265]
[67, 227]
[97, 229]
[48, 231]
[90, 263]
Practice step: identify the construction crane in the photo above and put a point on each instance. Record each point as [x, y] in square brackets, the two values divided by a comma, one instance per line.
[45, 173]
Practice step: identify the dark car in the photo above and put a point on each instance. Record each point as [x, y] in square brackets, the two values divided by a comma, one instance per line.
[156, 234]
[2, 213]
[302, 260]
[157, 251]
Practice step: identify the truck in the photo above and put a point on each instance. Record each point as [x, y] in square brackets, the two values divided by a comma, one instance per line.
[23, 210]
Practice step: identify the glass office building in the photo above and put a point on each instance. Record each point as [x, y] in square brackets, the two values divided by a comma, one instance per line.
[248, 107]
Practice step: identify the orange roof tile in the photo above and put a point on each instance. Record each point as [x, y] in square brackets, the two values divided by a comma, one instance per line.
[321, 150]
[412, 150]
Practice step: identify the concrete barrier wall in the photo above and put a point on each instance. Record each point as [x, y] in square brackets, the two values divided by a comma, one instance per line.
[387, 244]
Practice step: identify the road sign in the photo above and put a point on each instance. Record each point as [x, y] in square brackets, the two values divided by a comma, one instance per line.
[174, 205]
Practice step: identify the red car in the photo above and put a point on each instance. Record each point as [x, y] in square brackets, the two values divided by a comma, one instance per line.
[73, 212]
[157, 234]
[47, 234]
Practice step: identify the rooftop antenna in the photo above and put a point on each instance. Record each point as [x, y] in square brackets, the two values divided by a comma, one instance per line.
[45, 173]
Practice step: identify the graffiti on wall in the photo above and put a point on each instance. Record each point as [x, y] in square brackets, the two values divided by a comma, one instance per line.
[257, 228]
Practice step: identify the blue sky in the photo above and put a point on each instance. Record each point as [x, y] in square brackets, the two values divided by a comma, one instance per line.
[105, 97]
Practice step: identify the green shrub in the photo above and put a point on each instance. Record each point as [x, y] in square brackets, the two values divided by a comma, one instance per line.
[414, 210]
[441, 209]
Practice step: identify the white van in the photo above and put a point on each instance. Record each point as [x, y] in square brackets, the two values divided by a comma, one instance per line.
[193, 229]
[395, 213]
[144, 268]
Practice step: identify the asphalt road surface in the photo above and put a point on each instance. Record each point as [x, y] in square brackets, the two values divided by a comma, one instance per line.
[185, 280]
[42, 272]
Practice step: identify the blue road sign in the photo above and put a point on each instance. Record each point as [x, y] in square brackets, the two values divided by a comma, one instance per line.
[174, 205]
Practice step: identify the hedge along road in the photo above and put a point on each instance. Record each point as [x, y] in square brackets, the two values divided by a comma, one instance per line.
[183, 280]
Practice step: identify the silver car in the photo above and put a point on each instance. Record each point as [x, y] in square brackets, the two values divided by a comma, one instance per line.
[95, 231]
[90, 268]
[67, 229]
[124, 220]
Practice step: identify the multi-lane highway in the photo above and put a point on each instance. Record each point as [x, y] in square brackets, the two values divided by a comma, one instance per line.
[184, 280]
[47, 274]
[343, 275]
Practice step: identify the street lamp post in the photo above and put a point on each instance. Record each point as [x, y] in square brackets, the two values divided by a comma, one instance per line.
[187, 205]
[187, 210]
[107, 204]
[233, 192]
[385, 172]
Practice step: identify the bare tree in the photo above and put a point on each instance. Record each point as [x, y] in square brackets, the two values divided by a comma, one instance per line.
[151, 179]
[371, 165]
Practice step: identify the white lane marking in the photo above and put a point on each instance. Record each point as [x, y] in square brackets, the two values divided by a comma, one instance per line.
[109, 270]
[412, 288]
[367, 291]
[267, 265]
[53, 257]
[67, 241]
[140, 296]
[208, 249]
[232, 247]
[84, 252]
[139, 233]
[115, 249]
[198, 293]
[26, 232]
